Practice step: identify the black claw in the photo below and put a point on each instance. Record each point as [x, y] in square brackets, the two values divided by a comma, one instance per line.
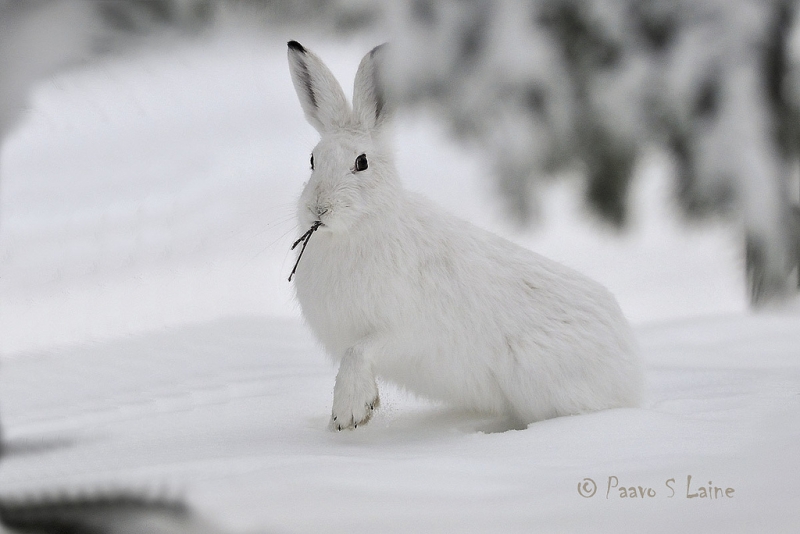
[340, 428]
[356, 426]
[334, 418]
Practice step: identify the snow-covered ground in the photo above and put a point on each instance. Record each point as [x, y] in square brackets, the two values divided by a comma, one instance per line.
[149, 338]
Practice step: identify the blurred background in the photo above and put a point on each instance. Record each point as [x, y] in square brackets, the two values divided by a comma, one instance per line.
[152, 150]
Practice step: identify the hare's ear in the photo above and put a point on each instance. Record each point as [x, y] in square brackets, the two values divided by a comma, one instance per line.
[369, 95]
[321, 96]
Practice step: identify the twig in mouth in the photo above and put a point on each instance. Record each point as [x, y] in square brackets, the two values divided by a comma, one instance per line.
[304, 238]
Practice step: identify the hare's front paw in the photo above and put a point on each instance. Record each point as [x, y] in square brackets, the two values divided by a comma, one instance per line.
[351, 416]
[355, 396]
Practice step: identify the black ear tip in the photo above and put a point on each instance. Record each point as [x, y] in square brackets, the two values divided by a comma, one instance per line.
[377, 49]
[297, 47]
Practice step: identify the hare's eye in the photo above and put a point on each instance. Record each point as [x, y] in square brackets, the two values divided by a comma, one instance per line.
[312, 162]
[361, 163]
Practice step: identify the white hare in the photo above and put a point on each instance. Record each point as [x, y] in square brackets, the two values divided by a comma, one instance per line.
[394, 286]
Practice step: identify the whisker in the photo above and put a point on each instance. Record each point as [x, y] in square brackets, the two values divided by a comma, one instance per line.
[273, 242]
[271, 226]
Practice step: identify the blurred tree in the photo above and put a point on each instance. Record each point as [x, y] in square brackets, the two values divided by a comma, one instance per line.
[547, 83]
[143, 15]
[332, 15]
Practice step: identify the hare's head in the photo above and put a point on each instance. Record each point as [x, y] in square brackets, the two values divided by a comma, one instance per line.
[352, 175]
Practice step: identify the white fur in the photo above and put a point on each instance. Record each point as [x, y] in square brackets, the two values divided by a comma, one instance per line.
[394, 286]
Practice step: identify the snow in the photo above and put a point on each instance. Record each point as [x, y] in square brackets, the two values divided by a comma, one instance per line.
[149, 338]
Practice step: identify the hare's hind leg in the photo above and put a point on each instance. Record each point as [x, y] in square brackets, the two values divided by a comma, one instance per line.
[355, 395]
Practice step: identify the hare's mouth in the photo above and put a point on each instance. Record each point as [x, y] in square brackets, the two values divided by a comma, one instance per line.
[304, 239]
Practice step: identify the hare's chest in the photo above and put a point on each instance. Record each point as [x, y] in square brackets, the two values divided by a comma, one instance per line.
[342, 295]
